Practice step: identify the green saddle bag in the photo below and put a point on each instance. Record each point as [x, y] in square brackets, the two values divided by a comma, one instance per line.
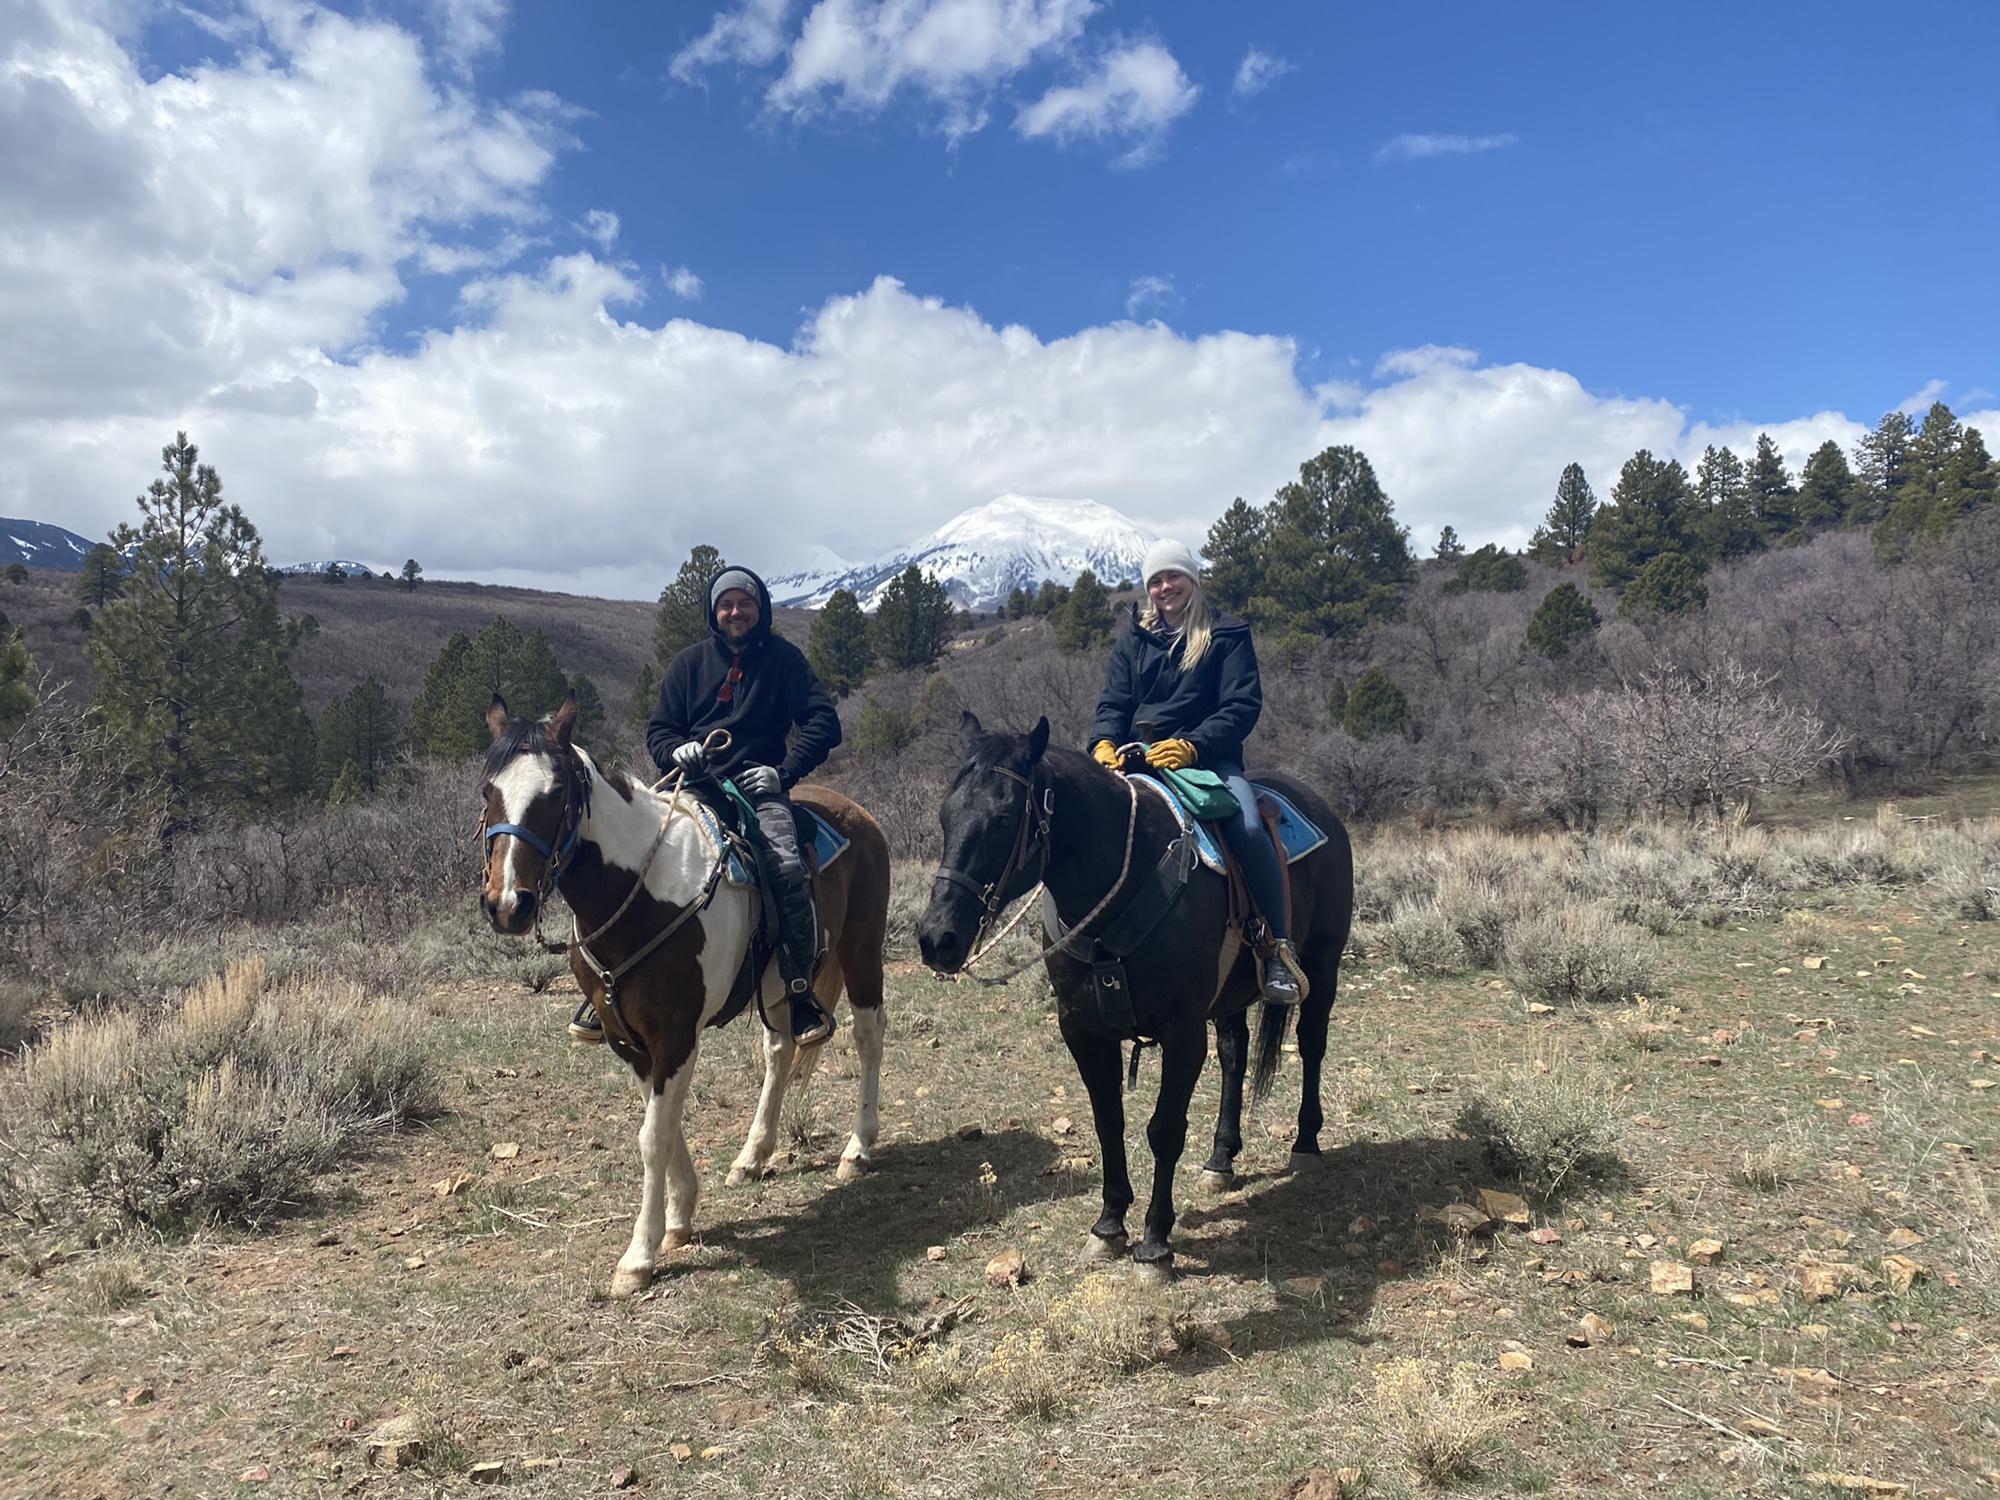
[1205, 794]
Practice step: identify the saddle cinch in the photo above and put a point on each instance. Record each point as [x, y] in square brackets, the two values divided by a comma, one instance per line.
[819, 842]
[1198, 800]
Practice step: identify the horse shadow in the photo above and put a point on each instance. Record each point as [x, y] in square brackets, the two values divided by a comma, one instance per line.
[853, 1241]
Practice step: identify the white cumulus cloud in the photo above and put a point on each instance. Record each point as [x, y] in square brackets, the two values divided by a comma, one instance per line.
[684, 284]
[1258, 71]
[1134, 92]
[1150, 292]
[1420, 147]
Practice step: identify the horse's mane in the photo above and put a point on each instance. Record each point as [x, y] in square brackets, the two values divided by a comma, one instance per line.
[523, 736]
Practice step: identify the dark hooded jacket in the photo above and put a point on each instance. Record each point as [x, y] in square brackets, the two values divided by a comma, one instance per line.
[779, 714]
[1214, 707]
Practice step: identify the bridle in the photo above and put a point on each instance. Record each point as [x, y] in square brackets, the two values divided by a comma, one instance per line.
[1033, 832]
[1037, 816]
[569, 832]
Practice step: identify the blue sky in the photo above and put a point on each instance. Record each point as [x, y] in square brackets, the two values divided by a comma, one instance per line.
[433, 279]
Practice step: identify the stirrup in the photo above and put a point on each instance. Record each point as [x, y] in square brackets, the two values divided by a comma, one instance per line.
[811, 1022]
[1284, 981]
[584, 1026]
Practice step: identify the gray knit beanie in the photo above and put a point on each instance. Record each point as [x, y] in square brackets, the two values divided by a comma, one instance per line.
[727, 579]
[1164, 555]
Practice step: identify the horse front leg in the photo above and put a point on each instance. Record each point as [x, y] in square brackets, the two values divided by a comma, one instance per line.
[1232, 1051]
[1098, 1064]
[754, 1160]
[870, 1025]
[668, 1189]
[1181, 1058]
[1314, 1013]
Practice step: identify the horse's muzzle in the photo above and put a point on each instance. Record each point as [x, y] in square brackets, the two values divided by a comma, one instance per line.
[941, 940]
[513, 913]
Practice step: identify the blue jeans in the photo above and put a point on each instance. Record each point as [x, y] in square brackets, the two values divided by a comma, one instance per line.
[1252, 847]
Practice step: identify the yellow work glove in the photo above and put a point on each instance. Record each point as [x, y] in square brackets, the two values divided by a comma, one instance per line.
[1172, 755]
[1106, 755]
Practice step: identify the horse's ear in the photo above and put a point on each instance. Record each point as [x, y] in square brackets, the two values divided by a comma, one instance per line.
[563, 725]
[497, 718]
[970, 733]
[1038, 740]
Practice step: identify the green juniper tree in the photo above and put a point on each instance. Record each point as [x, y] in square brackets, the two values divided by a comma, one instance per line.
[1375, 707]
[1670, 584]
[1653, 510]
[912, 621]
[358, 730]
[1449, 548]
[1234, 568]
[1826, 490]
[534, 683]
[1332, 557]
[840, 651]
[1083, 623]
[1490, 570]
[1565, 530]
[103, 577]
[682, 617]
[448, 715]
[194, 688]
[589, 708]
[413, 573]
[1882, 466]
[1729, 521]
[1563, 619]
[1774, 499]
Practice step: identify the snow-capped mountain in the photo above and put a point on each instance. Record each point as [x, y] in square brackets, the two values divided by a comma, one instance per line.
[320, 569]
[983, 554]
[40, 545]
[818, 566]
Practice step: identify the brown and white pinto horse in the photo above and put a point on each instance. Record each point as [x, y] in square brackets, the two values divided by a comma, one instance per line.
[629, 864]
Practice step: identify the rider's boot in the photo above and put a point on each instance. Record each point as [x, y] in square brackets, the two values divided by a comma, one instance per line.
[1280, 974]
[585, 1026]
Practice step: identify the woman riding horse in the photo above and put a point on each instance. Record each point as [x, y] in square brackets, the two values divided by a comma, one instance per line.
[1188, 675]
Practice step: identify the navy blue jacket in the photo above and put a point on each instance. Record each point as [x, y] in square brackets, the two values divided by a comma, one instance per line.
[1214, 707]
[779, 714]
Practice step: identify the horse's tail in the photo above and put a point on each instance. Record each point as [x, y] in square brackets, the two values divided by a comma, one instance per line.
[1271, 1021]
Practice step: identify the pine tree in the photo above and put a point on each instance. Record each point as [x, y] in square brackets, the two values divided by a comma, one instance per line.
[645, 696]
[1826, 489]
[495, 652]
[1449, 547]
[413, 573]
[1565, 531]
[358, 730]
[195, 692]
[1729, 519]
[1949, 476]
[1083, 623]
[1334, 558]
[17, 572]
[682, 618]
[589, 708]
[448, 716]
[1653, 510]
[1774, 499]
[103, 576]
[1492, 570]
[1375, 707]
[912, 622]
[1882, 465]
[1564, 618]
[535, 684]
[1670, 584]
[1050, 598]
[840, 651]
[1019, 604]
[1233, 573]
[17, 695]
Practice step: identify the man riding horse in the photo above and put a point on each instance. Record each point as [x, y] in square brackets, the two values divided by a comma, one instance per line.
[782, 725]
[1186, 675]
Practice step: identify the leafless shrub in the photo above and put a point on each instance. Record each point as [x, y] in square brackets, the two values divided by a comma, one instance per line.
[1440, 1422]
[1541, 1124]
[1420, 937]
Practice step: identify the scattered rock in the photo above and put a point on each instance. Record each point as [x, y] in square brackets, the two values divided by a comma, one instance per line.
[934, 1252]
[490, 1471]
[623, 1478]
[1008, 1268]
[1545, 1236]
[1517, 1360]
[413, 1263]
[1362, 1227]
[1904, 1239]
[329, 1238]
[1821, 1283]
[1537, 1008]
[731, 1415]
[255, 1474]
[451, 1187]
[1323, 1484]
[343, 1351]
[140, 1395]
[1508, 1208]
[1670, 1278]
[1460, 1218]
[970, 1132]
[1697, 1321]
[1307, 1287]
[1815, 963]
[1202, 1398]
[1705, 1252]
[506, 1150]
[682, 1452]
[1708, 1060]
[1902, 1272]
[1864, 1483]
[714, 1450]
[1591, 1329]
[398, 1442]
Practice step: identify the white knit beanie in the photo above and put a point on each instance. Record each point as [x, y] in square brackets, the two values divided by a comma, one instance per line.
[1164, 555]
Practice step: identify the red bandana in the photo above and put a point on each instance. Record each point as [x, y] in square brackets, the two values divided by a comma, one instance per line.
[727, 692]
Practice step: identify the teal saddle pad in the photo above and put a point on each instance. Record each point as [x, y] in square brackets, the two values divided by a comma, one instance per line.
[1299, 834]
[827, 842]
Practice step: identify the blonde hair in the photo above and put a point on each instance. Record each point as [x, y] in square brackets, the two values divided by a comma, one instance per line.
[1197, 625]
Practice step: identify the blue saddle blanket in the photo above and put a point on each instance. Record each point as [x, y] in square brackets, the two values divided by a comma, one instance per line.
[828, 842]
[1299, 834]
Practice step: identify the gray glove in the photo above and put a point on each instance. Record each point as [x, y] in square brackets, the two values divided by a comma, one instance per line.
[758, 782]
[691, 760]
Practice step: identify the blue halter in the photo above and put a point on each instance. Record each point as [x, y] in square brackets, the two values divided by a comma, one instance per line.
[574, 812]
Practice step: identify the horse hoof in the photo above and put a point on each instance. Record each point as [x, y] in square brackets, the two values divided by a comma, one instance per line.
[1154, 1272]
[1305, 1161]
[1217, 1182]
[740, 1176]
[1100, 1248]
[631, 1282]
[853, 1169]
[677, 1239]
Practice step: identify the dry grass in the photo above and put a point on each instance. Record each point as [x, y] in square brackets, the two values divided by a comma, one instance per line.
[1580, 955]
[1438, 1422]
[1543, 1122]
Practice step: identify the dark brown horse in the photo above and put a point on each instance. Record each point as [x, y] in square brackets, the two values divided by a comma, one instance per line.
[1020, 812]
[666, 937]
